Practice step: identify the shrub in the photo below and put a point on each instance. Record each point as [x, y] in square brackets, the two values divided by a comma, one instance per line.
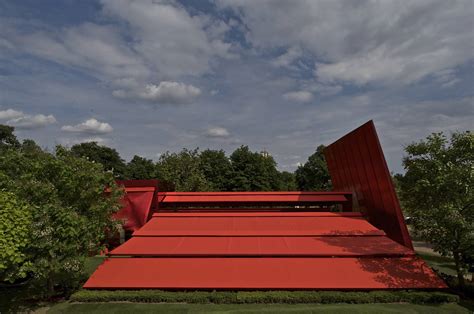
[266, 297]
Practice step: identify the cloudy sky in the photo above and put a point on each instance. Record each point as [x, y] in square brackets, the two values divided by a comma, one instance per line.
[150, 76]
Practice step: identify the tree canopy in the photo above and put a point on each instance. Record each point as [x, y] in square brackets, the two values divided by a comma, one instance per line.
[141, 168]
[108, 157]
[182, 170]
[7, 138]
[53, 214]
[253, 171]
[437, 191]
[216, 168]
[313, 175]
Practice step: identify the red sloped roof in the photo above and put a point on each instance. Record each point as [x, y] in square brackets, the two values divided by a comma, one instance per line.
[264, 273]
[262, 251]
[345, 246]
[257, 226]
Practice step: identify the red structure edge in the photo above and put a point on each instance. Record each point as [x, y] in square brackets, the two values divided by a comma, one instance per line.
[356, 163]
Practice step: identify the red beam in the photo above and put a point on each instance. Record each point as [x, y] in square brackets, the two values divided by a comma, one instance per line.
[258, 214]
[252, 197]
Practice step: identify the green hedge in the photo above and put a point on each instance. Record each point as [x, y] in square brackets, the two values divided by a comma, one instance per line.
[233, 297]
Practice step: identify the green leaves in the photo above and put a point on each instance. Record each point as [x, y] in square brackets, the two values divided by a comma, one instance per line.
[53, 214]
[15, 221]
[314, 174]
[437, 191]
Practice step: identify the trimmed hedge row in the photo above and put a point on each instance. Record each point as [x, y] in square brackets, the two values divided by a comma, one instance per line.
[241, 297]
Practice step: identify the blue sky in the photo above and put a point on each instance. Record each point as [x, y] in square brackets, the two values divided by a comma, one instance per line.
[151, 76]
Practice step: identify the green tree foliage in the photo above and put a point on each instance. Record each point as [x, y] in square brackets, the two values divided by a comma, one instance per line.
[287, 181]
[313, 175]
[15, 234]
[7, 138]
[141, 168]
[183, 170]
[437, 191]
[253, 171]
[216, 168]
[61, 198]
[104, 155]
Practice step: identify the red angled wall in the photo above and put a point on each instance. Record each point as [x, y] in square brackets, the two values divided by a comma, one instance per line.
[137, 203]
[356, 163]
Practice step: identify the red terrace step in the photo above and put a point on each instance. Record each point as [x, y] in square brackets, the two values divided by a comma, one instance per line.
[261, 246]
[264, 273]
[252, 197]
[258, 226]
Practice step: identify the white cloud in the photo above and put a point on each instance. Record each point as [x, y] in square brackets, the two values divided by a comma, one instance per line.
[32, 121]
[10, 114]
[365, 42]
[325, 90]
[165, 92]
[99, 49]
[217, 132]
[299, 96]
[288, 57]
[90, 126]
[167, 43]
[168, 38]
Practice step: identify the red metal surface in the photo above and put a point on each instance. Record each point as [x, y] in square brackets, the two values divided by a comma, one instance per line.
[252, 197]
[259, 214]
[257, 226]
[356, 163]
[135, 210]
[137, 203]
[236, 243]
[264, 273]
[343, 246]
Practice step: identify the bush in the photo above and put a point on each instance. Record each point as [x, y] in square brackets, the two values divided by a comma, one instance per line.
[266, 297]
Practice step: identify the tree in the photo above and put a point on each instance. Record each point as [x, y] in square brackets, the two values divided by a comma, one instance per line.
[104, 155]
[217, 169]
[253, 171]
[314, 174]
[287, 181]
[7, 138]
[65, 210]
[437, 191]
[183, 171]
[141, 168]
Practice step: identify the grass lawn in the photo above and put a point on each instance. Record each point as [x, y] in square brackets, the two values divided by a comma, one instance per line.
[92, 263]
[254, 308]
[440, 263]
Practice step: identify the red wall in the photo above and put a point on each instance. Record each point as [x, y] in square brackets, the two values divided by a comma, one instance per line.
[356, 163]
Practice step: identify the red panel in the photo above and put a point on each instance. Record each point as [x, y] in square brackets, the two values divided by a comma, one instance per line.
[261, 246]
[257, 226]
[139, 199]
[356, 163]
[135, 210]
[260, 214]
[251, 197]
[264, 273]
